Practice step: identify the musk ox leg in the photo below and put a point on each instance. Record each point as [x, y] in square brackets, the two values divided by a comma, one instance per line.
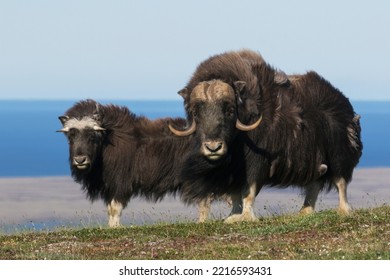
[236, 212]
[236, 204]
[344, 207]
[205, 206]
[312, 191]
[114, 213]
[248, 201]
[247, 213]
[204, 209]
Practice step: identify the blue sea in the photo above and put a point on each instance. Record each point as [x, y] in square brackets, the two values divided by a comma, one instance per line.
[30, 147]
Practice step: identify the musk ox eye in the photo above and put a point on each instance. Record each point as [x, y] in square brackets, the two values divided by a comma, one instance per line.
[254, 116]
[92, 137]
[70, 135]
[195, 108]
[230, 111]
[70, 139]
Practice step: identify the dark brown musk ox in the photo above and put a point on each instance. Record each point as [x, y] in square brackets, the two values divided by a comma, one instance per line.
[116, 155]
[298, 131]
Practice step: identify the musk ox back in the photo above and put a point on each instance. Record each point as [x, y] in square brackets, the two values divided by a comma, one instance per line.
[307, 133]
[116, 155]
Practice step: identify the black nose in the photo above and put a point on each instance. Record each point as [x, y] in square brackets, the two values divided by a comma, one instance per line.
[80, 159]
[213, 146]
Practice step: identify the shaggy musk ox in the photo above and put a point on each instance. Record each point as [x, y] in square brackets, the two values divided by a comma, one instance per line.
[298, 131]
[116, 155]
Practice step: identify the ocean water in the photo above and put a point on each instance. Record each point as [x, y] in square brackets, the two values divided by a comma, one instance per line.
[30, 147]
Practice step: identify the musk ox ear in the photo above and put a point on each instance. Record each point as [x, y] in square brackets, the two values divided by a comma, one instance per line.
[239, 89]
[183, 93]
[280, 78]
[63, 119]
[239, 86]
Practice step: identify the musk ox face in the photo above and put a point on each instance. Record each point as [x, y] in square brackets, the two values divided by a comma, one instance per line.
[215, 118]
[85, 138]
[213, 113]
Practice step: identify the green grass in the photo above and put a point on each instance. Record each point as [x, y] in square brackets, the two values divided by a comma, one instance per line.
[365, 234]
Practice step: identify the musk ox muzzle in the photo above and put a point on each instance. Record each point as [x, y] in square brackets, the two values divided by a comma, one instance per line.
[217, 149]
[213, 150]
[81, 162]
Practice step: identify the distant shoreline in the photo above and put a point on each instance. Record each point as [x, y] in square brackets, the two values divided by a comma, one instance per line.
[63, 176]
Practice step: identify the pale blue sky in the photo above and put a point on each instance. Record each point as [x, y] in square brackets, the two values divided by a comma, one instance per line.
[78, 49]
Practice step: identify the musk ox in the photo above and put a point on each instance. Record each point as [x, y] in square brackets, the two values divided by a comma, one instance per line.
[116, 155]
[298, 131]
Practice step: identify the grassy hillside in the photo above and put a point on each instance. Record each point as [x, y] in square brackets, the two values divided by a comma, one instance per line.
[324, 235]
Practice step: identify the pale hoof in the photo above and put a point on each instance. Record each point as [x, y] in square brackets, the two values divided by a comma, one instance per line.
[233, 219]
[114, 224]
[344, 211]
[240, 218]
[306, 210]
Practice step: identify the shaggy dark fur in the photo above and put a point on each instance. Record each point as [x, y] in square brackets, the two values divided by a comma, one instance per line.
[133, 156]
[306, 122]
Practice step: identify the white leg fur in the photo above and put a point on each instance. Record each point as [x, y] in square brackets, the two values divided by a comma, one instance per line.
[344, 207]
[311, 198]
[247, 213]
[114, 210]
[248, 201]
[204, 209]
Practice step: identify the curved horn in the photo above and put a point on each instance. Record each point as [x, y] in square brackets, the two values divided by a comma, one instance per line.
[65, 129]
[245, 127]
[98, 128]
[63, 120]
[186, 132]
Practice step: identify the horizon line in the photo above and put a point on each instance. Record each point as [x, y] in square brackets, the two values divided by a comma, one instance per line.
[148, 99]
